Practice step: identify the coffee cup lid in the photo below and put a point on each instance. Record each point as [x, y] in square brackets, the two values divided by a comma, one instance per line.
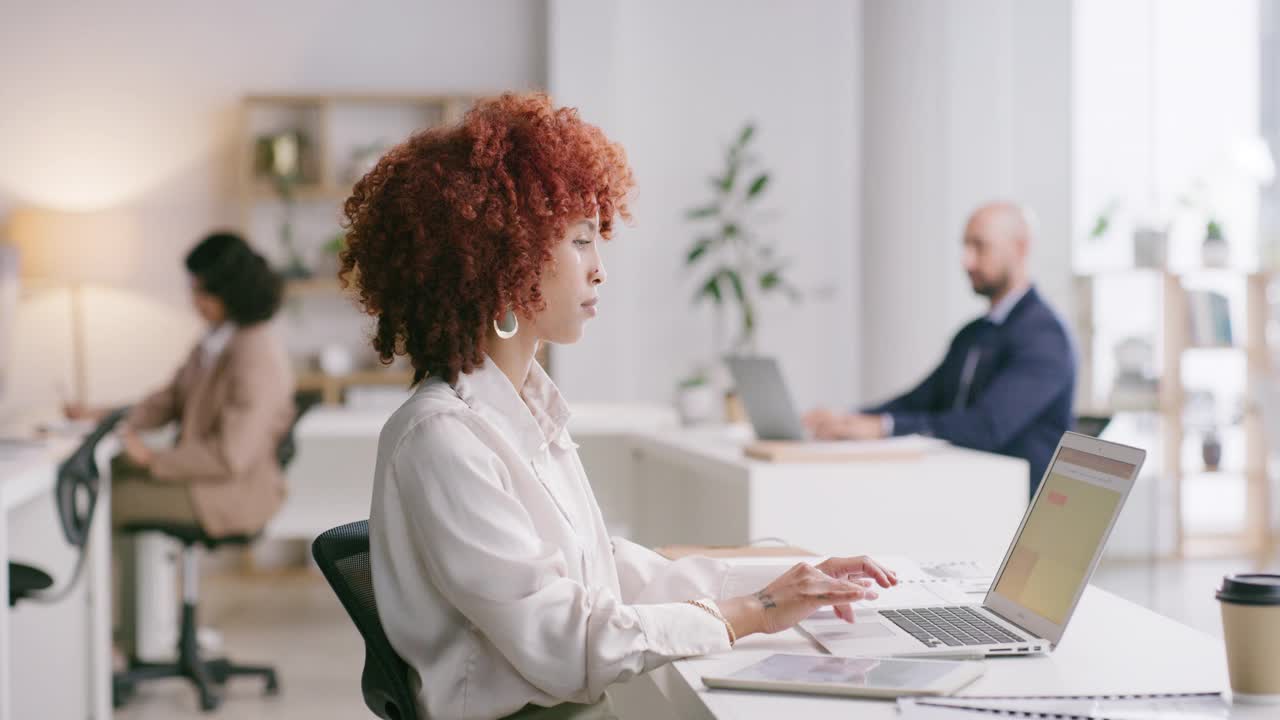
[1250, 589]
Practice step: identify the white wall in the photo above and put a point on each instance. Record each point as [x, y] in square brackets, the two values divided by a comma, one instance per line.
[134, 104]
[963, 103]
[1163, 91]
[674, 82]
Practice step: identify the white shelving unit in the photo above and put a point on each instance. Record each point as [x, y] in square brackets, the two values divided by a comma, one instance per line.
[342, 134]
[1193, 510]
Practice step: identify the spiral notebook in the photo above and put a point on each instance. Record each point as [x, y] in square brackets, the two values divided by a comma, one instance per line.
[1177, 706]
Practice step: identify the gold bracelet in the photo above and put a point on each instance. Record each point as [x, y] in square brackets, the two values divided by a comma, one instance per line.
[710, 607]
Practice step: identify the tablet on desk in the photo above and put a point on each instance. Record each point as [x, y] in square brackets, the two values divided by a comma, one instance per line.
[850, 676]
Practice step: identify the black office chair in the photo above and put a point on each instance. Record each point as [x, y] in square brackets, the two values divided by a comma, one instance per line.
[204, 674]
[1091, 425]
[343, 556]
[76, 492]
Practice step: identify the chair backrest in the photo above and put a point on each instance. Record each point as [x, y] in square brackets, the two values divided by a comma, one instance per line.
[77, 486]
[288, 447]
[1091, 425]
[343, 556]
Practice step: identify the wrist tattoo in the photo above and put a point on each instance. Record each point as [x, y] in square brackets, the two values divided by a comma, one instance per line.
[766, 600]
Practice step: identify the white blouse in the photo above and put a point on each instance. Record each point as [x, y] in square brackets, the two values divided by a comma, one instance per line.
[493, 573]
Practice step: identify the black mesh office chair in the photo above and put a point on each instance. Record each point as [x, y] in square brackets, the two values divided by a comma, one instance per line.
[343, 556]
[1091, 425]
[204, 674]
[76, 492]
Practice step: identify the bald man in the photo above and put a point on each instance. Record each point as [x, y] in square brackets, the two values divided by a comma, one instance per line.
[1007, 381]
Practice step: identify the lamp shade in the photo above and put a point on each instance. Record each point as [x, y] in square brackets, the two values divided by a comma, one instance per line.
[74, 247]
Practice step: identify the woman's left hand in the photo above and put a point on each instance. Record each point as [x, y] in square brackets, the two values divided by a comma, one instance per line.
[135, 450]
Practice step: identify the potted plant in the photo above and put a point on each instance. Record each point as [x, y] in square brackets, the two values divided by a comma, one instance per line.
[736, 265]
[696, 399]
[1214, 252]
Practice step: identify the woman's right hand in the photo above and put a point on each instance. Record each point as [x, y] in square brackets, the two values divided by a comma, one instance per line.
[798, 593]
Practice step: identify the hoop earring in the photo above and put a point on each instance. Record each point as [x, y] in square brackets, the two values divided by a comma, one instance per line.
[508, 326]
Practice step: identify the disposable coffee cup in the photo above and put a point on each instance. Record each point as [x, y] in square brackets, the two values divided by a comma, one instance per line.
[1251, 628]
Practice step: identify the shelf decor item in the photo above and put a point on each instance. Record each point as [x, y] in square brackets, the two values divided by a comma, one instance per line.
[1214, 251]
[1211, 450]
[1150, 246]
[696, 399]
[1135, 386]
[278, 157]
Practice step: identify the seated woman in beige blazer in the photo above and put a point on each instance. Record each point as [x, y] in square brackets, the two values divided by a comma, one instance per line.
[232, 400]
[495, 576]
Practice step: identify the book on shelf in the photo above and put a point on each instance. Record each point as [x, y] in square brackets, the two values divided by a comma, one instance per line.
[1209, 314]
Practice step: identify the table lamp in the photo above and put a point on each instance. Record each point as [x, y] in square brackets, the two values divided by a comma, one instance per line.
[72, 250]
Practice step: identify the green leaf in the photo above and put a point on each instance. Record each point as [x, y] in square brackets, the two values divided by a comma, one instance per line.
[747, 131]
[702, 212]
[700, 248]
[758, 185]
[729, 230]
[1100, 227]
[736, 281]
[770, 280]
[711, 289]
[731, 174]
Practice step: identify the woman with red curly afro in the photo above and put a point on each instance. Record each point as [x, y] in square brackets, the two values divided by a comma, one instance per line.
[495, 579]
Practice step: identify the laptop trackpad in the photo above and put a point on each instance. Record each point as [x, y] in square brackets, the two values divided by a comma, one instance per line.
[856, 631]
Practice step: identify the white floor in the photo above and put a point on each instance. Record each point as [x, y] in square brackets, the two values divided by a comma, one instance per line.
[293, 621]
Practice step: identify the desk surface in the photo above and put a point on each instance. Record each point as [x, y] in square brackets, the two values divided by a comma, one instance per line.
[587, 419]
[27, 472]
[724, 444]
[1111, 646]
[652, 426]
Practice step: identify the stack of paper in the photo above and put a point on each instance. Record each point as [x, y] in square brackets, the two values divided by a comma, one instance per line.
[1191, 706]
[906, 447]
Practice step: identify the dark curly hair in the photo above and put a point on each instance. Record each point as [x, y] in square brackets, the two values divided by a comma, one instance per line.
[231, 271]
[455, 225]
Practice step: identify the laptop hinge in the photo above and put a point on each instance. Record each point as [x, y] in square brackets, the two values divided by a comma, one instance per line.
[1028, 633]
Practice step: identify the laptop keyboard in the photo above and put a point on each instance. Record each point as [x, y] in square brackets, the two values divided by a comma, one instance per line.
[952, 626]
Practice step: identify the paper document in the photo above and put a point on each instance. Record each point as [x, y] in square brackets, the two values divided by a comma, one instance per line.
[904, 447]
[884, 446]
[918, 585]
[1195, 706]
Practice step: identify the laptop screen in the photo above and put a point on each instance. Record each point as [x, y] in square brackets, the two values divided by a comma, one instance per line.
[1062, 535]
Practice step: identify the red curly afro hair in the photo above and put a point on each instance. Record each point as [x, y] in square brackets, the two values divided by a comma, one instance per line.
[454, 226]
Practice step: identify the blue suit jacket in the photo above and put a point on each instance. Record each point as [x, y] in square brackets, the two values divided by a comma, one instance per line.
[1019, 401]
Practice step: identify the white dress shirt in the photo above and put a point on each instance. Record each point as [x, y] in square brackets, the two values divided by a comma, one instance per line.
[495, 578]
[214, 342]
[1001, 310]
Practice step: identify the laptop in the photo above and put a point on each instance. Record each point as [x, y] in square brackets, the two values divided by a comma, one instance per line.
[764, 393]
[1040, 581]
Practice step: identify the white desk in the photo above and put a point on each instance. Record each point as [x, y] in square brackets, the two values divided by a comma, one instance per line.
[331, 479]
[696, 487]
[659, 484]
[24, 478]
[1111, 646]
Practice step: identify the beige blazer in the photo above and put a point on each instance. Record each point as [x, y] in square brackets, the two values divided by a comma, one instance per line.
[232, 415]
